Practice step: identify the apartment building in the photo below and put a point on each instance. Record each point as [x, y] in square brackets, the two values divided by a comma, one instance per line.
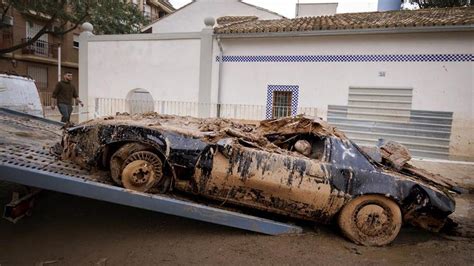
[154, 9]
[42, 59]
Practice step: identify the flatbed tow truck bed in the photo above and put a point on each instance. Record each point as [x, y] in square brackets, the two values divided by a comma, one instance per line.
[25, 159]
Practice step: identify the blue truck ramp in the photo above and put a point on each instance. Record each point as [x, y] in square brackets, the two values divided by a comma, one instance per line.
[25, 159]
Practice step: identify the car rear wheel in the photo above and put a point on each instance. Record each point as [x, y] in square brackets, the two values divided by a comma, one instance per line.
[371, 220]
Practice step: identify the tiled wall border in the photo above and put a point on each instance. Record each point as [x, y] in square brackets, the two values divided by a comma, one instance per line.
[347, 58]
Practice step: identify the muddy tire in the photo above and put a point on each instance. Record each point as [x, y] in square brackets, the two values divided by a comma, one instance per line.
[141, 171]
[136, 167]
[371, 220]
[117, 160]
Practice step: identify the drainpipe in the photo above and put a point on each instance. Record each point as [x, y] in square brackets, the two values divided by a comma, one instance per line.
[59, 62]
[297, 13]
[205, 68]
[219, 76]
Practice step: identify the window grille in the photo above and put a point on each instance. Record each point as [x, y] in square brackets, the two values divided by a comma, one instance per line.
[281, 104]
[40, 75]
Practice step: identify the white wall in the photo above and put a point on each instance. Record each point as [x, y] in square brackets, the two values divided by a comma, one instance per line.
[315, 9]
[323, 83]
[437, 86]
[168, 69]
[191, 17]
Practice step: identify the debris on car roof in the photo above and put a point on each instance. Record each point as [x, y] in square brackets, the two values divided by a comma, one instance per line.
[271, 134]
[394, 153]
[214, 129]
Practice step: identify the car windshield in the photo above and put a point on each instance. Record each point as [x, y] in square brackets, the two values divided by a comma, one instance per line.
[348, 155]
[365, 154]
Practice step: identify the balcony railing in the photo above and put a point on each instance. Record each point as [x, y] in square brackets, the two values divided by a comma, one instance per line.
[46, 98]
[40, 48]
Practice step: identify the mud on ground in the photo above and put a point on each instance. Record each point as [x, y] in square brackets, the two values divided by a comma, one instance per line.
[68, 230]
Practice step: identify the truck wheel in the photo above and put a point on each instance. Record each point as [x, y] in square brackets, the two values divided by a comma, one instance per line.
[141, 171]
[371, 220]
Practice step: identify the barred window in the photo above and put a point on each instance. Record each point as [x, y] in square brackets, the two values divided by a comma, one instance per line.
[40, 75]
[281, 103]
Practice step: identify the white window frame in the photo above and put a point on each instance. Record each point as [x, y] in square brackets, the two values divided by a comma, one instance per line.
[75, 39]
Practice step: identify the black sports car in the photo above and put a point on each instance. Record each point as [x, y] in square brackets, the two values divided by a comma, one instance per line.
[295, 166]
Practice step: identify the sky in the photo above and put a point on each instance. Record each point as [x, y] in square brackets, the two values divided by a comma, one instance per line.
[287, 7]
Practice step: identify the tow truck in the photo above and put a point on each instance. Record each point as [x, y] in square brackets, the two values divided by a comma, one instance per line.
[26, 158]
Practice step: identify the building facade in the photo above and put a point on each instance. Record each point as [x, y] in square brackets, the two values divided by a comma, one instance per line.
[411, 82]
[153, 9]
[189, 18]
[39, 60]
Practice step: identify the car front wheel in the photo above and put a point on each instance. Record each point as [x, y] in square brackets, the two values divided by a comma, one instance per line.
[134, 166]
[371, 220]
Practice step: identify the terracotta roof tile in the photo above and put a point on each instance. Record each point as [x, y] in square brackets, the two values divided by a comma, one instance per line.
[235, 19]
[347, 21]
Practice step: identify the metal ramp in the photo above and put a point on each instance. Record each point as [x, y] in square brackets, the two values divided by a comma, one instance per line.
[36, 167]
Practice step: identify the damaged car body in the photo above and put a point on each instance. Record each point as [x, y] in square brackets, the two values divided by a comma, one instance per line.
[295, 166]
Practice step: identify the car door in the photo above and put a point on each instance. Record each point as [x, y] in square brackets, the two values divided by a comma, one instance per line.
[285, 183]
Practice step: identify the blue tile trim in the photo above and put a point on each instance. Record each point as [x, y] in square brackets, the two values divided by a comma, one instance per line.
[348, 58]
[294, 99]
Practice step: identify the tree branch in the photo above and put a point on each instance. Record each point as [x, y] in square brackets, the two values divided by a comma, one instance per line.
[5, 10]
[4, 13]
[60, 33]
[30, 41]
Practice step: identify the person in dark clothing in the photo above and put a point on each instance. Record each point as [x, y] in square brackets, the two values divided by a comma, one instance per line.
[65, 93]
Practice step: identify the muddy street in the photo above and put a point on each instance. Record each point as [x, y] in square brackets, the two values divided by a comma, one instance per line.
[68, 230]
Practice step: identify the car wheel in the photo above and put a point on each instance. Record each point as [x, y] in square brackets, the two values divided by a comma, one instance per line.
[371, 220]
[119, 157]
[141, 171]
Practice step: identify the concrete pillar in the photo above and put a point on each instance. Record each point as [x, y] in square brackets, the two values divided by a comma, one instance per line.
[88, 110]
[205, 69]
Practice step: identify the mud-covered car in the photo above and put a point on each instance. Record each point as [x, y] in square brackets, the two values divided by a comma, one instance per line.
[295, 166]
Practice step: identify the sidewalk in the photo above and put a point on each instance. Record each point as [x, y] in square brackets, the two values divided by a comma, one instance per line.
[461, 172]
[56, 116]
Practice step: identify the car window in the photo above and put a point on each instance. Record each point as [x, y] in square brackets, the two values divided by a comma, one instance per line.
[311, 146]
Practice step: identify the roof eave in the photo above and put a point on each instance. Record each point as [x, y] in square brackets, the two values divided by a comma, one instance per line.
[452, 28]
[262, 9]
[166, 8]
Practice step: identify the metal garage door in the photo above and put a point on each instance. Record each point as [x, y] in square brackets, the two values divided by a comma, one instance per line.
[374, 113]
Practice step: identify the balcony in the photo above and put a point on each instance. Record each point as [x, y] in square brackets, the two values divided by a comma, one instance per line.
[40, 48]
